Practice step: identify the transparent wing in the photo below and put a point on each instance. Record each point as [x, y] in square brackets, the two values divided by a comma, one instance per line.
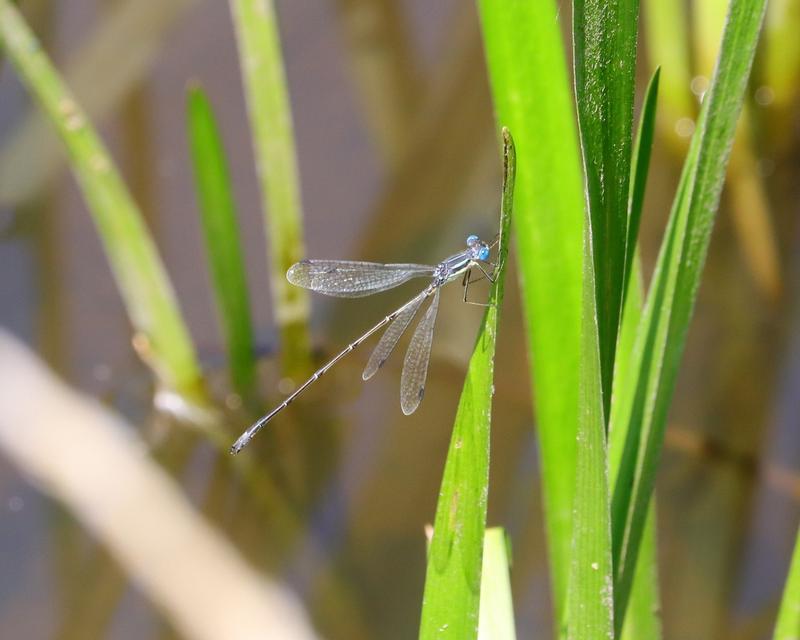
[415, 367]
[390, 337]
[346, 279]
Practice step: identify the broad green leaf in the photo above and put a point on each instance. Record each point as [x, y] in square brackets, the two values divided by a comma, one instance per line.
[276, 163]
[788, 624]
[532, 96]
[221, 233]
[150, 301]
[604, 45]
[670, 301]
[496, 613]
[451, 603]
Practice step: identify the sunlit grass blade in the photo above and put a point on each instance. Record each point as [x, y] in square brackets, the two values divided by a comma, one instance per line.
[532, 96]
[221, 232]
[273, 143]
[668, 309]
[496, 611]
[788, 624]
[139, 272]
[604, 43]
[453, 578]
[590, 599]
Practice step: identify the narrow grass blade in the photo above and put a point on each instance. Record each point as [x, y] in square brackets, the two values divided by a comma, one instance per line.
[140, 275]
[451, 603]
[788, 624]
[604, 42]
[276, 162]
[670, 301]
[640, 166]
[221, 232]
[497, 611]
[532, 96]
[641, 620]
[590, 599]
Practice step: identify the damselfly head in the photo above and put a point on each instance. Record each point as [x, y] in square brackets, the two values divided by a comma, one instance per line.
[479, 250]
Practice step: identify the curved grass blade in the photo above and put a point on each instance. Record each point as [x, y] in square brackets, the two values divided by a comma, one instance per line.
[670, 301]
[496, 621]
[221, 233]
[139, 273]
[788, 624]
[276, 163]
[604, 42]
[450, 606]
[533, 98]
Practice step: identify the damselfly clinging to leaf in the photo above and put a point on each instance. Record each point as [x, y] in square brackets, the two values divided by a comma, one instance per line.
[347, 279]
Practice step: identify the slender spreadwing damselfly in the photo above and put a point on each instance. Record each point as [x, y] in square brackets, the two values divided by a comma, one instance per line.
[348, 279]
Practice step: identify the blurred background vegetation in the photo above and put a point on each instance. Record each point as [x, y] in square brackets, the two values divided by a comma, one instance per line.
[397, 161]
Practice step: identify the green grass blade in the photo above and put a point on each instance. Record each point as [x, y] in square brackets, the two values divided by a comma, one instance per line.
[139, 272]
[496, 611]
[451, 603]
[604, 42]
[590, 599]
[641, 619]
[640, 166]
[532, 96]
[788, 624]
[670, 301]
[221, 233]
[273, 142]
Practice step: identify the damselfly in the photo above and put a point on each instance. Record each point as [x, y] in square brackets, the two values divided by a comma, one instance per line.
[347, 279]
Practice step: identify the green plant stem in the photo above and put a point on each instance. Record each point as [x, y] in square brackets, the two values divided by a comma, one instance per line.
[450, 606]
[140, 275]
[276, 162]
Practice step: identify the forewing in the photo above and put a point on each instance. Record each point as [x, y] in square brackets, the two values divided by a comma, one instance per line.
[415, 367]
[390, 337]
[346, 279]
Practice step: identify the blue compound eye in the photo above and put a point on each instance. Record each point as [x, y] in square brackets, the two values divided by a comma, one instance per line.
[472, 240]
[483, 254]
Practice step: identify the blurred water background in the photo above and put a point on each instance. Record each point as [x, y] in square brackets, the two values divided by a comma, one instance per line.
[398, 162]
